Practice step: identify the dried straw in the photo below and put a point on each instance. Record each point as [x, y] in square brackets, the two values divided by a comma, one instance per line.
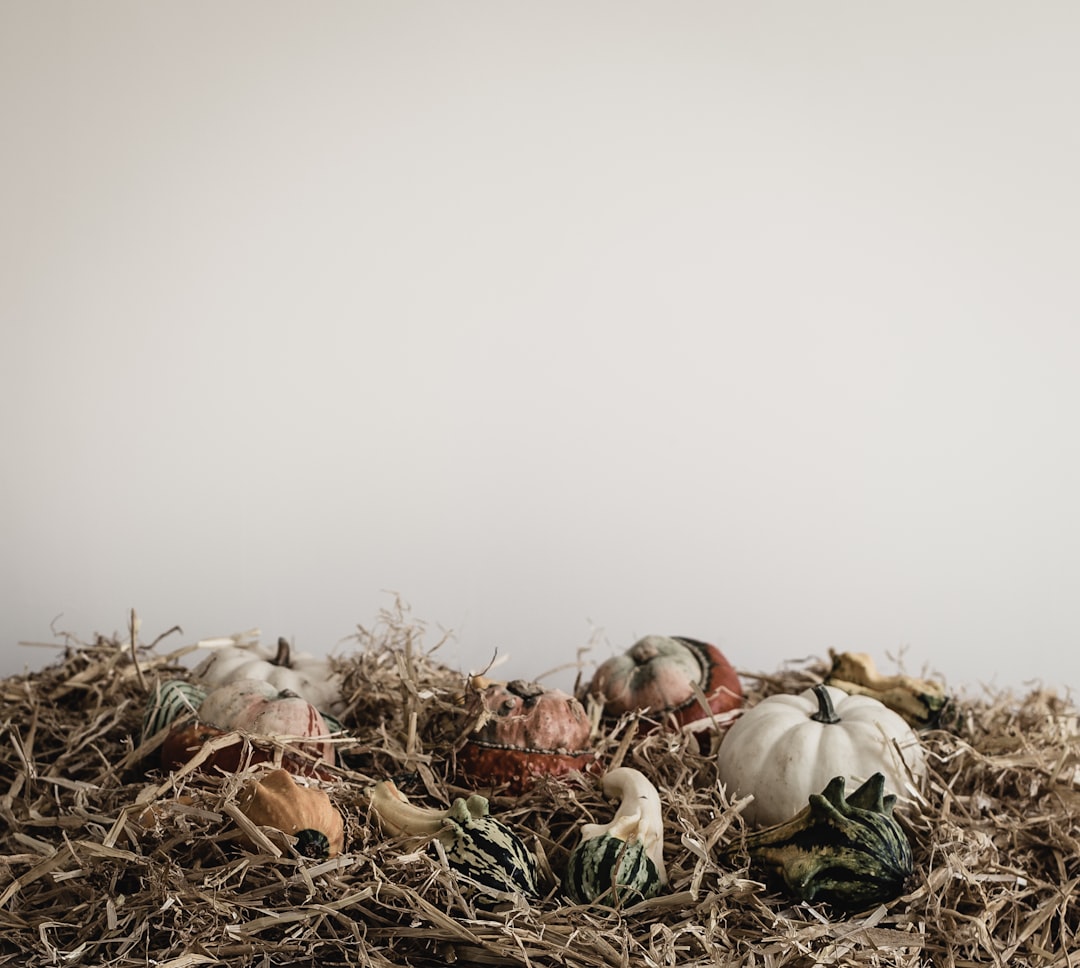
[102, 863]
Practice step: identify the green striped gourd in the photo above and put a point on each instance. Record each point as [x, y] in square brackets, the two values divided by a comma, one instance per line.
[622, 862]
[477, 846]
[847, 851]
[170, 702]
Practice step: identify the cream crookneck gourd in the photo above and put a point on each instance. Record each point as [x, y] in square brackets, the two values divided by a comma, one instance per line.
[621, 862]
[476, 845]
[788, 747]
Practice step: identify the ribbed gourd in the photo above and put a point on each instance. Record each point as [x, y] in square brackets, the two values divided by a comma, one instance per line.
[477, 845]
[622, 862]
[847, 851]
[261, 710]
[668, 677]
[788, 747]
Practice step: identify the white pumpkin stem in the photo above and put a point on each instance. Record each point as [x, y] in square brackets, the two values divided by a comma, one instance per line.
[639, 816]
[282, 657]
[403, 817]
[826, 710]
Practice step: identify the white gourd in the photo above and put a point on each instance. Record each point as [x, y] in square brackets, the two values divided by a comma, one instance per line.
[784, 749]
[238, 657]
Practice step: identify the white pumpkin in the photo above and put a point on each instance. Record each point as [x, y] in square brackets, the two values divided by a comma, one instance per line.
[790, 746]
[309, 676]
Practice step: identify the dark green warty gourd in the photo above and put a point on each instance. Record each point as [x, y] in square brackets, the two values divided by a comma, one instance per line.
[847, 851]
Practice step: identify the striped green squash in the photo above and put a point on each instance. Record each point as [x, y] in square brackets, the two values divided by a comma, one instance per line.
[474, 843]
[487, 851]
[847, 851]
[611, 871]
[172, 700]
[621, 862]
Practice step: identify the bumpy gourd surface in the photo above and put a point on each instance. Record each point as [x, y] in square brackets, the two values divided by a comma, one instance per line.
[486, 850]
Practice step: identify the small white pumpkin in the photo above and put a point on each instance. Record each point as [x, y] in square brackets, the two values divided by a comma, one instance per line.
[309, 676]
[790, 746]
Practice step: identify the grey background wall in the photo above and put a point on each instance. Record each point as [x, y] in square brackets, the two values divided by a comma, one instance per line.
[567, 323]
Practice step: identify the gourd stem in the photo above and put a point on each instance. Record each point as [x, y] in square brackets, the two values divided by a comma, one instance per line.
[282, 657]
[826, 711]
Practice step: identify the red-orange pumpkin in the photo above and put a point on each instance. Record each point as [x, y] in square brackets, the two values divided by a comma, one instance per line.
[658, 676]
[523, 731]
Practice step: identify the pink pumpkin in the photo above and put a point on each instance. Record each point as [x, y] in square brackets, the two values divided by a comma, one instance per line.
[524, 732]
[661, 675]
[256, 707]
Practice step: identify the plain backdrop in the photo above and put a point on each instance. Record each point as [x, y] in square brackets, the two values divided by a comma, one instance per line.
[565, 322]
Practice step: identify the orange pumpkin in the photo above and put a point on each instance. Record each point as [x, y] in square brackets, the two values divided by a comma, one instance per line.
[305, 812]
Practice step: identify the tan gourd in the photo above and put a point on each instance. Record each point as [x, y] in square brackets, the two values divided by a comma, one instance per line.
[920, 701]
[304, 812]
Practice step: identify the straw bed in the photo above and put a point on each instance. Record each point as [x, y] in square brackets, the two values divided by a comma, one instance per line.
[102, 864]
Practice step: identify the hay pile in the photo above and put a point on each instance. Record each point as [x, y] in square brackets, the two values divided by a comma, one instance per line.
[997, 844]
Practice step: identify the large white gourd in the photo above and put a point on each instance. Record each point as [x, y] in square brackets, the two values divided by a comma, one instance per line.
[790, 746]
[309, 676]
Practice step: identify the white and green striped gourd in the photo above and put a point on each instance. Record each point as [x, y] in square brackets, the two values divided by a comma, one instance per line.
[476, 845]
[622, 862]
[171, 701]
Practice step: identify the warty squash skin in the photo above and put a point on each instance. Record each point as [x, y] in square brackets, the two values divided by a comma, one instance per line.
[662, 676]
[785, 748]
[848, 851]
[305, 812]
[522, 731]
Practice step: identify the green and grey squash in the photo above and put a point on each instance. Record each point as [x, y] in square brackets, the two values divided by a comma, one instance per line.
[622, 862]
[847, 851]
[476, 845]
[170, 702]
